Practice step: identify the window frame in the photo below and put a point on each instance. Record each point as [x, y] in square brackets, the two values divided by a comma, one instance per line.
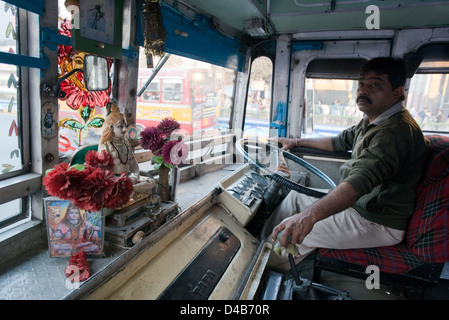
[26, 183]
[248, 103]
[426, 72]
[22, 99]
[432, 52]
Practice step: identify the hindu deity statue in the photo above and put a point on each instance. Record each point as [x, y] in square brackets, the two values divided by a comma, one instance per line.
[114, 142]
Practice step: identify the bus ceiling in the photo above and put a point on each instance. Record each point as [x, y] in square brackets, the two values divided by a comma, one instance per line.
[220, 31]
[265, 18]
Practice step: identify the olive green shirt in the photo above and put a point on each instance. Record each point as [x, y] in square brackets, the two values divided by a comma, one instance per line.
[387, 162]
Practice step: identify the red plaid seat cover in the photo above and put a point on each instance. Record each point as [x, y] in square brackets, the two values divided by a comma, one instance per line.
[427, 237]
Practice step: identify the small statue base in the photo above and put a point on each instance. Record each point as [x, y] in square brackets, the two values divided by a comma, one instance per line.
[147, 222]
[133, 210]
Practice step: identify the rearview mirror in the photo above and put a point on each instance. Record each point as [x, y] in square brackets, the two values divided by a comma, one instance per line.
[96, 73]
[96, 76]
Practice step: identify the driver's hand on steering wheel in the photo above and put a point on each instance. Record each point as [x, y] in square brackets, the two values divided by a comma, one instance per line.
[287, 143]
[284, 169]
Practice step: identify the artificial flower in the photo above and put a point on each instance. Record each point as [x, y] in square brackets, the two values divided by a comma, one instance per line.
[168, 125]
[91, 186]
[151, 139]
[122, 191]
[56, 179]
[76, 176]
[98, 186]
[101, 160]
[79, 261]
[165, 141]
[174, 152]
[63, 182]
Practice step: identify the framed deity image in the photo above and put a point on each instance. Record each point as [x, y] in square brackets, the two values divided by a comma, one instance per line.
[71, 230]
[100, 28]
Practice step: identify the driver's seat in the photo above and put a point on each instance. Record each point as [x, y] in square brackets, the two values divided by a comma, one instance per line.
[416, 263]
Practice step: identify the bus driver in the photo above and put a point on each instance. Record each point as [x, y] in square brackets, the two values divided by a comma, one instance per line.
[372, 205]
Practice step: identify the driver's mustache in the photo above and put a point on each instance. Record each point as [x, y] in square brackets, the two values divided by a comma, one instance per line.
[363, 98]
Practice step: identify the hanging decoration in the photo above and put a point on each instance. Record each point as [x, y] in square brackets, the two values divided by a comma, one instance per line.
[153, 28]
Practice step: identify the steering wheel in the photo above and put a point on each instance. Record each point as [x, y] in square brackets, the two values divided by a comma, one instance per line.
[267, 159]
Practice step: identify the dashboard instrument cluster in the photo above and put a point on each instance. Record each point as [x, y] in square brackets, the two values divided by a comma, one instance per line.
[242, 192]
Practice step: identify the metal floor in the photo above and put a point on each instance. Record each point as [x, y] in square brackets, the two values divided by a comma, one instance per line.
[39, 277]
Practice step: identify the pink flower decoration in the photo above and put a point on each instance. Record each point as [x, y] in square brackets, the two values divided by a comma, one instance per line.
[174, 152]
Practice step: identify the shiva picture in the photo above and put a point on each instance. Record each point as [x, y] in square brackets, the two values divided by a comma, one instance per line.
[71, 230]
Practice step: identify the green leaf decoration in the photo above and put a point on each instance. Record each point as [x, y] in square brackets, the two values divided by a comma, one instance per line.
[168, 165]
[72, 124]
[158, 159]
[79, 167]
[96, 122]
[7, 167]
[157, 166]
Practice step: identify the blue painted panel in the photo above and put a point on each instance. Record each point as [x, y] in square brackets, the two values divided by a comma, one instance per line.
[24, 61]
[307, 45]
[36, 6]
[202, 42]
[281, 119]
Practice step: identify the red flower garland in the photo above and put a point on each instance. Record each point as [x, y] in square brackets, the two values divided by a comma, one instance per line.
[78, 260]
[91, 186]
[101, 160]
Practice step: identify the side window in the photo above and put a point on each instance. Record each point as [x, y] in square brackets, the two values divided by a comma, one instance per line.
[14, 111]
[428, 101]
[196, 94]
[152, 93]
[10, 99]
[171, 90]
[330, 105]
[258, 103]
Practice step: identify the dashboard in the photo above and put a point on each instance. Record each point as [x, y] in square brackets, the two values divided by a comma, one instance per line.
[242, 192]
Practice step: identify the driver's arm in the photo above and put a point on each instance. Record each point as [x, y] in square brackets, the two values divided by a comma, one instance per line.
[321, 143]
[295, 228]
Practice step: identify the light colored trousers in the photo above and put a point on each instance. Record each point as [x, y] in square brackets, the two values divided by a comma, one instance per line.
[343, 230]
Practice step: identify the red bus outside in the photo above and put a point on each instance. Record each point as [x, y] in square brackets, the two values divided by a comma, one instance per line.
[187, 95]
